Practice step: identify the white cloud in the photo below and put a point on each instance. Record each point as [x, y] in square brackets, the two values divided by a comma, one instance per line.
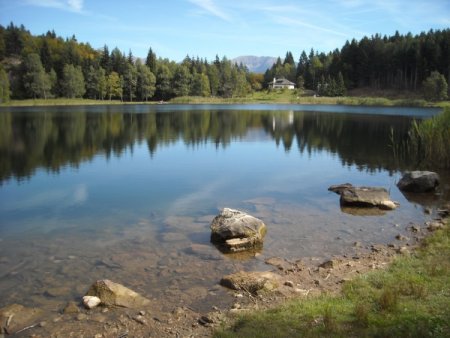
[210, 7]
[67, 5]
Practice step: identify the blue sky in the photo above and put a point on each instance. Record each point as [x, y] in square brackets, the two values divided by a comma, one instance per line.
[175, 28]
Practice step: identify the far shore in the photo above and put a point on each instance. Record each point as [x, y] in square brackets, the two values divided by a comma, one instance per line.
[282, 97]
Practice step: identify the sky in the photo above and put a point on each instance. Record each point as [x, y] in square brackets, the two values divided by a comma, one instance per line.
[231, 28]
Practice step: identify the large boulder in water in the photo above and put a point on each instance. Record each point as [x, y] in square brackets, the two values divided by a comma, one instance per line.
[234, 231]
[418, 181]
[114, 294]
[363, 196]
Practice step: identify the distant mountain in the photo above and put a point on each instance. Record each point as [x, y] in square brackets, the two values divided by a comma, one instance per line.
[256, 64]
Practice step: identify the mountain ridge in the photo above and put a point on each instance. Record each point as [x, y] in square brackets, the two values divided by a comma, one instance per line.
[256, 64]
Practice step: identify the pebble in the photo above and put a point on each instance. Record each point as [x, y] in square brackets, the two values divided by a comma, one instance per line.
[289, 283]
[81, 316]
[236, 306]
[140, 320]
[401, 237]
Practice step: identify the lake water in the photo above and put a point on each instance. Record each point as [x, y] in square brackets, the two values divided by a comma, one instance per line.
[128, 192]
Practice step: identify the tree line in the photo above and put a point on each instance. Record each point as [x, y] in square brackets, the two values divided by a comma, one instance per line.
[402, 62]
[50, 66]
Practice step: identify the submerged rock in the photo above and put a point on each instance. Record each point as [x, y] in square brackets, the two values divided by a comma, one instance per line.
[251, 282]
[364, 196]
[235, 231]
[419, 181]
[114, 294]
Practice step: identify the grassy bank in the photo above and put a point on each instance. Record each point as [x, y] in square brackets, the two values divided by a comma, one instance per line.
[279, 96]
[409, 299]
[296, 97]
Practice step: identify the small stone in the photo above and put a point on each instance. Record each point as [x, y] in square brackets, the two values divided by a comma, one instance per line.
[328, 264]
[205, 321]
[433, 226]
[289, 283]
[81, 316]
[238, 295]
[401, 238]
[403, 250]
[142, 313]
[71, 307]
[91, 301]
[357, 244]
[43, 324]
[236, 306]
[427, 210]
[415, 228]
[140, 320]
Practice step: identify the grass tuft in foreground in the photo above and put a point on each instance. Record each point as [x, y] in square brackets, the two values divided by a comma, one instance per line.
[409, 299]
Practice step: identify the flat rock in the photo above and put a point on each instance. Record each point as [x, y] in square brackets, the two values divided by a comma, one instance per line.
[114, 294]
[235, 231]
[418, 181]
[251, 281]
[15, 317]
[363, 196]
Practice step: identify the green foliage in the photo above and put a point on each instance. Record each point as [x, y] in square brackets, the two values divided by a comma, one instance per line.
[429, 141]
[181, 81]
[435, 87]
[4, 86]
[72, 83]
[35, 81]
[385, 303]
[146, 82]
[114, 86]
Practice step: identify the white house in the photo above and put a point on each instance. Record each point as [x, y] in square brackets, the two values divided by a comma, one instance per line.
[281, 83]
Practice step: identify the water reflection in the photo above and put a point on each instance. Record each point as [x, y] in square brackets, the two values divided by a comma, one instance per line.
[54, 139]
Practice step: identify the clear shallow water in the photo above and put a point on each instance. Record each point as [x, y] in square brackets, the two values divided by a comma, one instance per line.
[128, 192]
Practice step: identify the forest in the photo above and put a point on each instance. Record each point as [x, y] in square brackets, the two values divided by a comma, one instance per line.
[48, 66]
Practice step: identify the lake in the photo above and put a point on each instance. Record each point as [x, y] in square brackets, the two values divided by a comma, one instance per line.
[128, 192]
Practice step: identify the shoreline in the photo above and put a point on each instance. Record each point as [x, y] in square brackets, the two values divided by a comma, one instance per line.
[302, 279]
[282, 99]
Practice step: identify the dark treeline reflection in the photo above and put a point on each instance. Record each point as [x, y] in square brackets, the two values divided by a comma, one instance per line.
[51, 140]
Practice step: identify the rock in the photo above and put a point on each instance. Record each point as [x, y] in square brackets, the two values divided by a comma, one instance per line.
[81, 316]
[15, 317]
[289, 283]
[71, 307]
[234, 231]
[114, 294]
[280, 263]
[331, 264]
[401, 238]
[419, 181]
[435, 225]
[363, 196]
[251, 282]
[91, 301]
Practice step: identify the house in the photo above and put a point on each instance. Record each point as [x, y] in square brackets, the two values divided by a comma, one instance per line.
[281, 83]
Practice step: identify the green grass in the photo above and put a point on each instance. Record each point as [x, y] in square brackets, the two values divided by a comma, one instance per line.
[300, 97]
[429, 140]
[409, 299]
[276, 96]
